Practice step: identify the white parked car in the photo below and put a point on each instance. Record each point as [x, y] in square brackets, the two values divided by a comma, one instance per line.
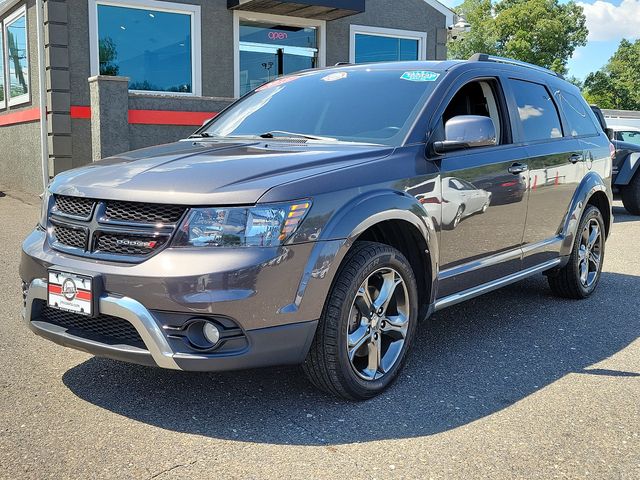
[460, 199]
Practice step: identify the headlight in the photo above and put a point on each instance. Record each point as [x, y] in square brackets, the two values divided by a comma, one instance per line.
[261, 226]
[44, 208]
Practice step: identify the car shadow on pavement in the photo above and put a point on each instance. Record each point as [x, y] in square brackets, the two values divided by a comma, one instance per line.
[469, 361]
[620, 215]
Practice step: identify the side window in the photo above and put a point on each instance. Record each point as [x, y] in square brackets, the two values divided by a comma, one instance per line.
[478, 98]
[536, 111]
[577, 115]
[629, 136]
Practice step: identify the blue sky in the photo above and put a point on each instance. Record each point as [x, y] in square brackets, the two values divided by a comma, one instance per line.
[608, 23]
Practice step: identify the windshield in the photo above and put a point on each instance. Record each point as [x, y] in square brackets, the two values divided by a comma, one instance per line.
[350, 105]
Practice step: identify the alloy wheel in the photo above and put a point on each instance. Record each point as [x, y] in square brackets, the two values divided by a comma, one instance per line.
[590, 253]
[378, 324]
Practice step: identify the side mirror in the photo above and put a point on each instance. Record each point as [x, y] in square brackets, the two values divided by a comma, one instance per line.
[466, 131]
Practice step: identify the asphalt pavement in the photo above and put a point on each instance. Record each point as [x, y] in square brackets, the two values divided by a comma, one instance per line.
[514, 384]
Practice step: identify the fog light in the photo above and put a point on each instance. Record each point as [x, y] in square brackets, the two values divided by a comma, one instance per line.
[211, 333]
[202, 334]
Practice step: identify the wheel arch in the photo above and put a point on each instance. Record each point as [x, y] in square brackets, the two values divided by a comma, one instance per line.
[593, 190]
[390, 217]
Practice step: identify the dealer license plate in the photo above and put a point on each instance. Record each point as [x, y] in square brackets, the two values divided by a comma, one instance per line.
[70, 292]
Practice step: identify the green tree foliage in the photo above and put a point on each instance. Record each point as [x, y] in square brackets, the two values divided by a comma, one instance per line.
[108, 54]
[617, 84]
[543, 32]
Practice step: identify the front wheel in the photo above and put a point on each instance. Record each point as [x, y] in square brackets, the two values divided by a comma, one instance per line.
[367, 325]
[580, 276]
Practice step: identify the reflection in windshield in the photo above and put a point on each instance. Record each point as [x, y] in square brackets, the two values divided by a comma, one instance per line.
[353, 104]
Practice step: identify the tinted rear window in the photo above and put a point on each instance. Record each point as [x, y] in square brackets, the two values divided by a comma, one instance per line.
[536, 111]
[577, 115]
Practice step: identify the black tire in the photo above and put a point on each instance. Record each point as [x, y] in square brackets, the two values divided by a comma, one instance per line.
[631, 195]
[327, 365]
[566, 282]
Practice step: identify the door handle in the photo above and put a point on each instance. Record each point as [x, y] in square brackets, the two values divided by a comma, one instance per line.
[518, 168]
[576, 157]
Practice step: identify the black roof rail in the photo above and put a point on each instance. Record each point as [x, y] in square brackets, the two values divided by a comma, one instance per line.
[483, 57]
[342, 63]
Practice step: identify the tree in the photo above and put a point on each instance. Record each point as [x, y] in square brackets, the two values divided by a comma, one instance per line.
[617, 84]
[108, 54]
[542, 32]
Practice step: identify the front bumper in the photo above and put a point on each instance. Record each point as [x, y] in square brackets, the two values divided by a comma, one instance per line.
[280, 345]
[259, 292]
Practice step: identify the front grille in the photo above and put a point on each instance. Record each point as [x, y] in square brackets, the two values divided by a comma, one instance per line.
[102, 328]
[126, 245]
[71, 237]
[143, 212]
[74, 206]
[113, 230]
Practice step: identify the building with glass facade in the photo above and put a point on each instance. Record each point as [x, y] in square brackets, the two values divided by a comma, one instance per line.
[116, 75]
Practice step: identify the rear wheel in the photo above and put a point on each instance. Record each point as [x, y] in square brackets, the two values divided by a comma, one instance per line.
[580, 276]
[367, 325]
[631, 195]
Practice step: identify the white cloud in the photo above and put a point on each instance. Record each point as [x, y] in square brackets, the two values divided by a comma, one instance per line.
[607, 21]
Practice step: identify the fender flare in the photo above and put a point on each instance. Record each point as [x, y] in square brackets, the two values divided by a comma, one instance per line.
[628, 169]
[590, 185]
[343, 229]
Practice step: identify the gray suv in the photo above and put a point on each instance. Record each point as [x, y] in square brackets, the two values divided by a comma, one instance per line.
[318, 219]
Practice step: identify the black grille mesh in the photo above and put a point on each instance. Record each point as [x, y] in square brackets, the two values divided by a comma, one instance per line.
[104, 328]
[76, 206]
[71, 237]
[108, 243]
[143, 212]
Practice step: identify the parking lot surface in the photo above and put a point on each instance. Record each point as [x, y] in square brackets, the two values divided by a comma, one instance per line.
[515, 384]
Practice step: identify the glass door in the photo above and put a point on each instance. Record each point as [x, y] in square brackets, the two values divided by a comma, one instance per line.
[269, 51]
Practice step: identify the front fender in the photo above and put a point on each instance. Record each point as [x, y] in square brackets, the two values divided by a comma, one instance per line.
[343, 229]
[627, 169]
[591, 184]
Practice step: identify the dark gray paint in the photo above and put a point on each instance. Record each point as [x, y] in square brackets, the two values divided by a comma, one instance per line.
[352, 188]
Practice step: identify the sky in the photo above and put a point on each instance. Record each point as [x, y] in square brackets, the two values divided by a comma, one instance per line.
[608, 23]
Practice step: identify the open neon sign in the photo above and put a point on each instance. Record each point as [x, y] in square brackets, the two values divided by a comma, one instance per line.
[278, 35]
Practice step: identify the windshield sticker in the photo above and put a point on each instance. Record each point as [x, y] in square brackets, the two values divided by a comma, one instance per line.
[276, 83]
[335, 76]
[420, 76]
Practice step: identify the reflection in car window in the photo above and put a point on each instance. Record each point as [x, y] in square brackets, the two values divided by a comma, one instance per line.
[629, 136]
[536, 110]
[352, 105]
[576, 112]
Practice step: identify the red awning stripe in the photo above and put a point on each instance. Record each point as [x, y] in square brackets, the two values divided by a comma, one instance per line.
[20, 116]
[152, 117]
[80, 111]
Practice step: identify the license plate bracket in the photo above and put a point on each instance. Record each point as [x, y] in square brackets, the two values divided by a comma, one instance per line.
[72, 292]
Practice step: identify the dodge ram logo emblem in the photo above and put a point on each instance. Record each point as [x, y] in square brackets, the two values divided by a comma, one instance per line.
[137, 243]
[69, 289]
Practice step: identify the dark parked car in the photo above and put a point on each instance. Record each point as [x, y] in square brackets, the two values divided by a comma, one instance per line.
[626, 175]
[283, 231]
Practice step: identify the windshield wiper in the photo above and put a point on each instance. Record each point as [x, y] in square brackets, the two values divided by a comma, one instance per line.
[201, 135]
[284, 134]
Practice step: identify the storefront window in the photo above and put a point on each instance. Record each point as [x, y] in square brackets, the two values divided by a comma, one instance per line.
[15, 33]
[268, 51]
[154, 48]
[2, 96]
[370, 44]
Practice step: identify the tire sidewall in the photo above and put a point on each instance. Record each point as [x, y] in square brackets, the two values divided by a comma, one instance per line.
[368, 388]
[591, 213]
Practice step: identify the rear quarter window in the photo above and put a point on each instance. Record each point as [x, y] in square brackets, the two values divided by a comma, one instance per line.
[575, 110]
[537, 113]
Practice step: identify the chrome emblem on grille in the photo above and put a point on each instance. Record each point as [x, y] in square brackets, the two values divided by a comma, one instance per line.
[136, 243]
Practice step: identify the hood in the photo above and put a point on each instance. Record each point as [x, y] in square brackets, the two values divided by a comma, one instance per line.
[207, 172]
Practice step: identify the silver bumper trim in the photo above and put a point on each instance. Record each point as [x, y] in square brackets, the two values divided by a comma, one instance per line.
[122, 307]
